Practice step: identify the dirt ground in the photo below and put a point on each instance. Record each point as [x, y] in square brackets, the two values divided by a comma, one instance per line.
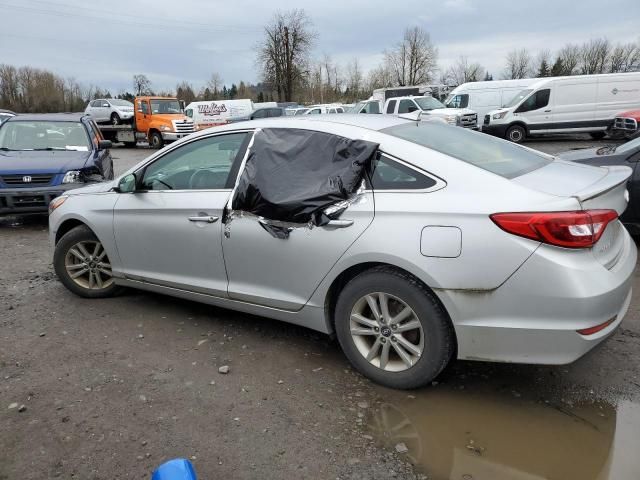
[111, 388]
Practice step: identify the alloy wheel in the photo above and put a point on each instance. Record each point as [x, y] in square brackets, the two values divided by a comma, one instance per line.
[386, 331]
[88, 266]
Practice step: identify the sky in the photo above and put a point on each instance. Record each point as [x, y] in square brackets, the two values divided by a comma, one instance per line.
[106, 43]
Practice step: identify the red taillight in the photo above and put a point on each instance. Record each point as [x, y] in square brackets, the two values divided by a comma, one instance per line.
[579, 229]
[597, 328]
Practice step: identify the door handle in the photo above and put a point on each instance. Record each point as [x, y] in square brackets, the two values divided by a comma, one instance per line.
[205, 219]
[339, 223]
[547, 111]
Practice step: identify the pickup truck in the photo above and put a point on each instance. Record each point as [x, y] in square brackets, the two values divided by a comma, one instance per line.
[462, 117]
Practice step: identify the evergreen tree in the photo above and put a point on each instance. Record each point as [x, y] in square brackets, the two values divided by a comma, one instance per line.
[558, 68]
[233, 91]
[260, 97]
[225, 92]
[544, 71]
[488, 77]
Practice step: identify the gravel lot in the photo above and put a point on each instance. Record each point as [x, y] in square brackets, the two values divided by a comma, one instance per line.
[112, 388]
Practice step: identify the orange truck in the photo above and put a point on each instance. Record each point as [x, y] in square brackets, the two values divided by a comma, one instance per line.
[157, 120]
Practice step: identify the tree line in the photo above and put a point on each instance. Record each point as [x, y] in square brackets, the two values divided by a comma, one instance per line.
[290, 73]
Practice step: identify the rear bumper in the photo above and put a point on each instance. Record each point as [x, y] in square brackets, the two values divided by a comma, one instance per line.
[31, 200]
[534, 316]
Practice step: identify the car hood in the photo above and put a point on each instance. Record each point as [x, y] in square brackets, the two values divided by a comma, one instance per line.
[100, 187]
[44, 161]
[450, 111]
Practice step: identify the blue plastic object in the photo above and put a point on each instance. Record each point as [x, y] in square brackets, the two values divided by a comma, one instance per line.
[177, 469]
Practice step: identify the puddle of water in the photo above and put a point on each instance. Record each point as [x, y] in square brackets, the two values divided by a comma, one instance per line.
[455, 435]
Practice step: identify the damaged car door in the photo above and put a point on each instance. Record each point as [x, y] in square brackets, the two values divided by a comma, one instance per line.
[279, 263]
[168, 229]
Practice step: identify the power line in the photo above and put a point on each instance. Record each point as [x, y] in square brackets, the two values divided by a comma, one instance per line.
[120, 21]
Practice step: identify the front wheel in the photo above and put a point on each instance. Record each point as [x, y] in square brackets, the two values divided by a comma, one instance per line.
[393, 329]
[115, 119]
[597, 135]
[155, 140]
[516, 134]
[82, 264]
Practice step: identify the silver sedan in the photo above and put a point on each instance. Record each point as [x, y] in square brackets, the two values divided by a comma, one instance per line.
[456, 245]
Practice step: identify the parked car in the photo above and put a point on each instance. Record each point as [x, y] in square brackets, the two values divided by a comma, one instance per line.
[576, 104]
[5, 114]
[474, 247]
[43, 156]
[482, 97]
[324, 109]
[460, 117]
[626, 154]
[627, 123]
[267, 112]
[110, 110]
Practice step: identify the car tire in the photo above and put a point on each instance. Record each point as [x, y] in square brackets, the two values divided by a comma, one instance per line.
[96, 280]
[516, 134]
[115, 119]
[431, 333]
[155, 140]
[597, 135]
[130, 144]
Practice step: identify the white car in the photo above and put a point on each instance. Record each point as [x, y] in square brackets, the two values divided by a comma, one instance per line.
[322, 109]
[112, 110]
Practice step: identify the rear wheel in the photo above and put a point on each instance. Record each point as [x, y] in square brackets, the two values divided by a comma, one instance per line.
[516, 134]
[82, 264]
[115, 119]
[597, 135]
[155, 140]
[393, 329]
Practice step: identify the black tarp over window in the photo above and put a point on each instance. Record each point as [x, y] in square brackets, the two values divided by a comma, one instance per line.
[291, 175]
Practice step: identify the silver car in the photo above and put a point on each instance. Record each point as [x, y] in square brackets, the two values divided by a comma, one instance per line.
[111, 110]
[456, 245]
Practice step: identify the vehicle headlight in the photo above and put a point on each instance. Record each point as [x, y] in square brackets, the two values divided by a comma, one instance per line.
[499, 115]
[451, 119]
[166, 128]
[72, 176]
[56, 202]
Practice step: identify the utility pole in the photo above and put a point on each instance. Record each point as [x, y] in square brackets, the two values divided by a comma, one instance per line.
[287, 66]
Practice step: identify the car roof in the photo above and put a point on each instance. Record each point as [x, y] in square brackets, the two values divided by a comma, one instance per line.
[2, 110]
[48, 117]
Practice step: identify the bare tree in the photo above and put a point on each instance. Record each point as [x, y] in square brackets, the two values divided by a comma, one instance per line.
[379, 77]
[214, 85]
[414, 60]
[594, 56]
[624, 58]
[462, 72]
[354, 79]
[568, 59]
[518, 64]
[284, 52]
[141, 84]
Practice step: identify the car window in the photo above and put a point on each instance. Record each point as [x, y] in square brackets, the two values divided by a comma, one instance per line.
[483, 151]
[145, 107]
[391, 107]
[407, 106]
[199, 165]
[275, 112]
[314, 111]
[372, 107]
[535, 101]
[387, 174]
[259, 114]
[459, 101]
[332, 110]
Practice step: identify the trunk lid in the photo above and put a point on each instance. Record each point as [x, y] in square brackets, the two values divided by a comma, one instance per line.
[594, 188]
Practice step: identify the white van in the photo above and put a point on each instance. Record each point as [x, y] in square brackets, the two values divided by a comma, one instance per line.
[577, 104]
[482, 97]
[217, 112]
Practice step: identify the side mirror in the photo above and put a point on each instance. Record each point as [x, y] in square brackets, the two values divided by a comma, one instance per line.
[105, 144]
[105, 105]
[127, 184]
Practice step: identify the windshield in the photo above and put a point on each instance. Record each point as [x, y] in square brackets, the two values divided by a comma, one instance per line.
[630, 145]
[302, 111]
[165, 106]
[120, 103]
[356, 108]
[518, 98]
[489, 153]
[42, 135]
[428, 103]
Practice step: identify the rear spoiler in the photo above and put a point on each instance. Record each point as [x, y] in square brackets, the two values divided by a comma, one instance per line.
[617, 175]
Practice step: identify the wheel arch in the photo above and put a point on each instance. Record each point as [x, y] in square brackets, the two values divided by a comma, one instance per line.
[518, 123]
[353, 271]
[68, 225]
